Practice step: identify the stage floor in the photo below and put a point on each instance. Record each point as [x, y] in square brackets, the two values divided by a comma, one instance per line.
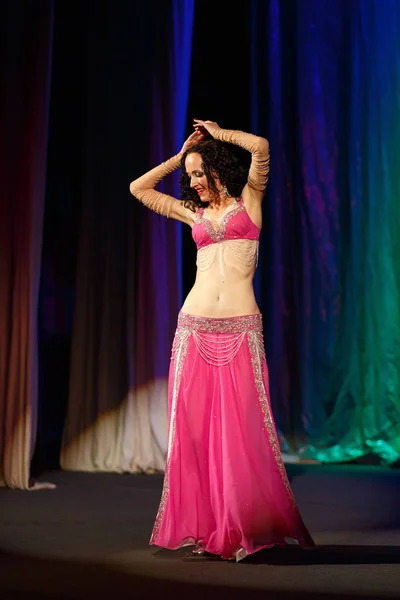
[88, 538]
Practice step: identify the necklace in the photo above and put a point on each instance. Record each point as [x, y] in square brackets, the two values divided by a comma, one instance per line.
[212, 218]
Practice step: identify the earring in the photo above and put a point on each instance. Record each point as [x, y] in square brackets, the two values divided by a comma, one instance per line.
[225, 190]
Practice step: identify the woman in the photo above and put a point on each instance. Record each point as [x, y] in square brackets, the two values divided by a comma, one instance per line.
[225, 487]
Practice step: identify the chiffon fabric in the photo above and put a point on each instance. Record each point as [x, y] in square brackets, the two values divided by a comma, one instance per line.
[225, 486]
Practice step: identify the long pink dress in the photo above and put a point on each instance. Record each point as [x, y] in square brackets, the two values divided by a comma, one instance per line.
[225, 485]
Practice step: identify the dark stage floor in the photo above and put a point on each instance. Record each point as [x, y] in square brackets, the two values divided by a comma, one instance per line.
[88, 538]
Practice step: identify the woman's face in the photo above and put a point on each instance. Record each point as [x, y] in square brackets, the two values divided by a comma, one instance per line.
[198, 179]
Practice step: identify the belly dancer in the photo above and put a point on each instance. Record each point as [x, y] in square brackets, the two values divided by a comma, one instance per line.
[225, 490]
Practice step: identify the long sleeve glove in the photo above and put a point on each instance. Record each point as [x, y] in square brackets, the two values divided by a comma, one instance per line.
[259, 148]
[143, 187]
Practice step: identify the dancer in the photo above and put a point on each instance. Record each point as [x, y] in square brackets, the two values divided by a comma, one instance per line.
[225, 489]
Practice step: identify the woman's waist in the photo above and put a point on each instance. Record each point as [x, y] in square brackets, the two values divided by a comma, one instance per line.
[222, 294]
[220, 301]
[223, 280]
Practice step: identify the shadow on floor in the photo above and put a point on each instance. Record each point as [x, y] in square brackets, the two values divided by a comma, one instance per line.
[27, 578]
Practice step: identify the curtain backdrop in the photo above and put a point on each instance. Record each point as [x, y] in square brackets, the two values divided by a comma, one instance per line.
[25, 52]
[325, 88]
[318, 78]
[128, 287]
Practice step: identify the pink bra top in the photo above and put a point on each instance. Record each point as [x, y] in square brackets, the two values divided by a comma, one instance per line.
[235, 225]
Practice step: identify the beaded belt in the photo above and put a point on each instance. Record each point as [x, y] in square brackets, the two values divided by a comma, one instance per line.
[239, 324]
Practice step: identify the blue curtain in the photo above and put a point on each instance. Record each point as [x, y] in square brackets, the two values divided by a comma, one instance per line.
[161, 245]
[128, 285]
[326, 92]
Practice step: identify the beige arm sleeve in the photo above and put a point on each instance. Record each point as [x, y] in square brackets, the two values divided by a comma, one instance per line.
[143, 187]
[259, 148]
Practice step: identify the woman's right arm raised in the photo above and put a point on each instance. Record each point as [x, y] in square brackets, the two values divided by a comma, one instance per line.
[144, 190]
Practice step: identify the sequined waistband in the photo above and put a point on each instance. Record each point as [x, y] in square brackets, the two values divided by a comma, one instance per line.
[221, 324]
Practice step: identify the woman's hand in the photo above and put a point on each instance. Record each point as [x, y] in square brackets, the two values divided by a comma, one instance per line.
[196, 137]
[206, 126]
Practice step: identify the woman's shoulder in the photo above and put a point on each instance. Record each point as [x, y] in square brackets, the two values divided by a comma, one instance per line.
[199, 210]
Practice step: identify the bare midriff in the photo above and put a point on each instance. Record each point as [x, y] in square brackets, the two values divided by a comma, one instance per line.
[224, 280]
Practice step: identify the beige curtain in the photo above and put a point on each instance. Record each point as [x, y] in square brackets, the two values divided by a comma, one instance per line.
[26, 33]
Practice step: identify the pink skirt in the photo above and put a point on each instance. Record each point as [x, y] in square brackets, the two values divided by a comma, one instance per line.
[225, 484]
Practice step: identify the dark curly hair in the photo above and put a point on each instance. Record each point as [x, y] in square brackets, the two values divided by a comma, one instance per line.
[217, 160]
